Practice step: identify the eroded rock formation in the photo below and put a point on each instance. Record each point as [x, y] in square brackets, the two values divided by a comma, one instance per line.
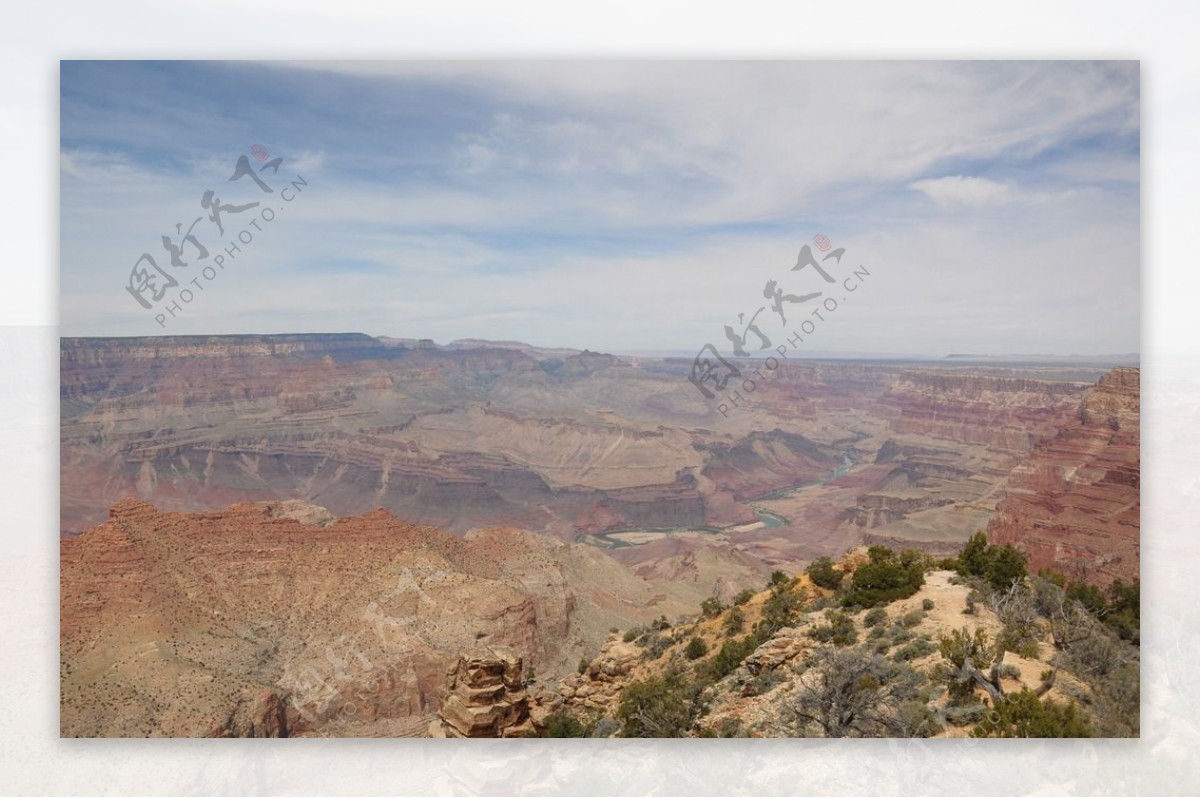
[485, 696]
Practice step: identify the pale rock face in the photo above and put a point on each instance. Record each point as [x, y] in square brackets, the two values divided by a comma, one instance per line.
[485, 696]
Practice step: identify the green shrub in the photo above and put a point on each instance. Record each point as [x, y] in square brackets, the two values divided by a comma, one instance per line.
[727, 658]
[875, 618]
[564, 724]
[655, 645]
[885, 578]
[583, 665]
[915, 650]
[1010, 671]
[927, 604]
[744, 596]
[735, 621]
[912, 618]
[656, 707]
[633, 634]
[823, 574]
[782, 608]
[839, 630]
[1023, 714]
[696, 648]
[711, 607]
[964, 714]
[999, 566]
[764, 682]
[605, 727]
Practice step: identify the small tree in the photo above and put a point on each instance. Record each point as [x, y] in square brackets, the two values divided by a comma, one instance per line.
[696, 648]
[823, 574]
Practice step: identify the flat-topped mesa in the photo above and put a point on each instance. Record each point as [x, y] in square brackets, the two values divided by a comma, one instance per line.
[165, 364]
[82, 351]
[484, 696]
[1074, 505]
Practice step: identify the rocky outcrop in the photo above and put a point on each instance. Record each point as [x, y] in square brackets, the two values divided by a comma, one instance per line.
[485, 696]
[598, 688]
[1075, 505]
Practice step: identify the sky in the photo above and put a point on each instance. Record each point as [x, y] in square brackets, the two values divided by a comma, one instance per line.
[985, 207]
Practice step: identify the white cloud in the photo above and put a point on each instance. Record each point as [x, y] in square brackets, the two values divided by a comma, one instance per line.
[961, 191]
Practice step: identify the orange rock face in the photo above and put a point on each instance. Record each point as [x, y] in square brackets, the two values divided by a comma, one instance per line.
[274, 619]
[1074, 505]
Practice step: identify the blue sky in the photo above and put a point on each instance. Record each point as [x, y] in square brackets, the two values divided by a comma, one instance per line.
[615, 205]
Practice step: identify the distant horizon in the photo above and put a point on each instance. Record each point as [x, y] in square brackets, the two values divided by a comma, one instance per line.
[996, 357]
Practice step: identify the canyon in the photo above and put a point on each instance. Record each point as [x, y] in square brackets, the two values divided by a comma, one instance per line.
[287, 526]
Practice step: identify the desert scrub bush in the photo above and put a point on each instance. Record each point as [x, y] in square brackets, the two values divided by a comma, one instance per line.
[584, 662]
[839, 629]
[915, 650]
[605, 727]
[823, 574]
[696, 648]
[633, 634]
[782, 608]
[727, 658]
[964, 714]
[564, 724]
[848, 692]
[898, 634]
[1023, 714]
[927, 604]
[742, 597]
[1010, 671]
[735, 621]
[764, 683]
[958, 648]
[876, 632]
[661, 706]
[911, 619]
[875, 618]
[711, 607]
[655, 645]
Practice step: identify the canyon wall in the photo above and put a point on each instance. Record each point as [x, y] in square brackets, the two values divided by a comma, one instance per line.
[1074, 505]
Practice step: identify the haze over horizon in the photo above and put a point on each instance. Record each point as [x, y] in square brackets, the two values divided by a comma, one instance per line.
[619, 206]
